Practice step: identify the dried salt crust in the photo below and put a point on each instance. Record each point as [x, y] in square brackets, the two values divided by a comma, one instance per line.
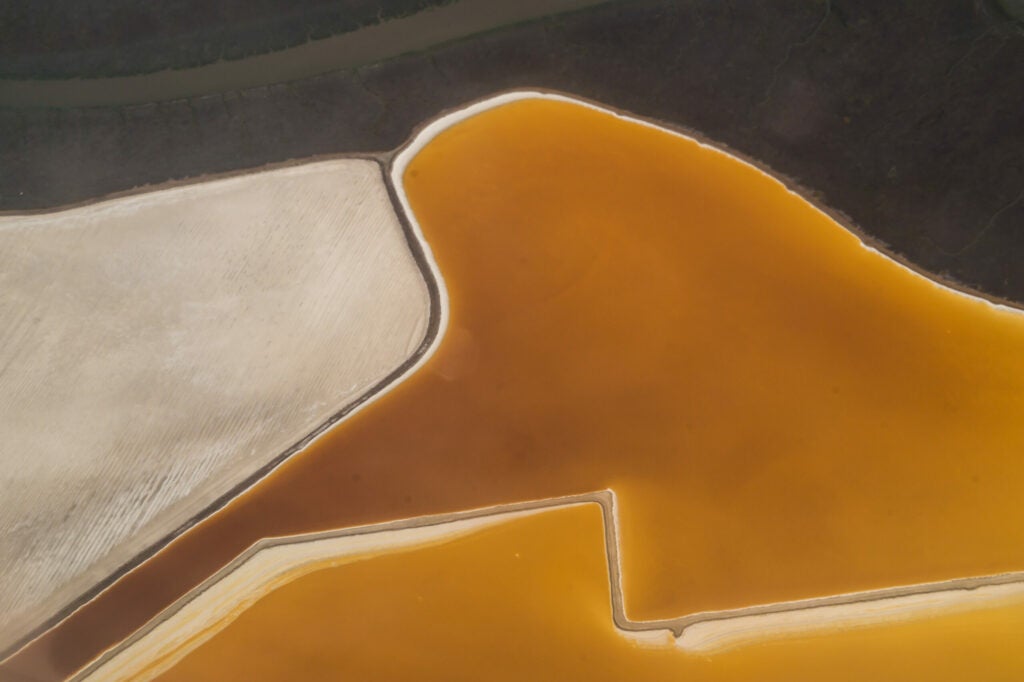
[158, 350]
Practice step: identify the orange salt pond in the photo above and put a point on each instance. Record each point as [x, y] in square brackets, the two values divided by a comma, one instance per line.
[782, 413]
[529, 600]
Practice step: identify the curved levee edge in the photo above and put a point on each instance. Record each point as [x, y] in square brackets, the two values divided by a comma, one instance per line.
[393, 166]
[428, 132]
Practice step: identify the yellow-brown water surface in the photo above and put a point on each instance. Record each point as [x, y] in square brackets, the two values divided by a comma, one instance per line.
[781, 412]
[530, 601]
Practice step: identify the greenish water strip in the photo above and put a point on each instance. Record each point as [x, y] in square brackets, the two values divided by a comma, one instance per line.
[364, 46]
